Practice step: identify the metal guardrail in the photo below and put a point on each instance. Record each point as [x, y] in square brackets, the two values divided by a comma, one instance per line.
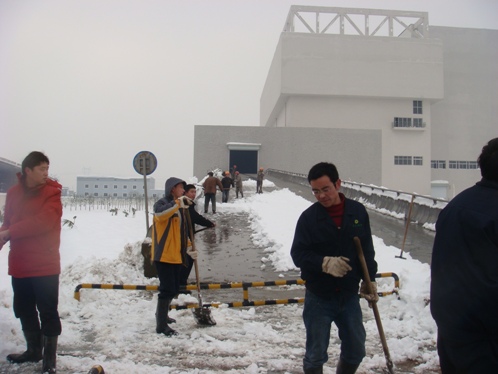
[218, 286]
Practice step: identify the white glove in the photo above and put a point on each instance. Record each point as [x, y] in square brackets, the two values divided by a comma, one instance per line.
[367, 295]
[336, 266]
[192, 253]
[184, 202]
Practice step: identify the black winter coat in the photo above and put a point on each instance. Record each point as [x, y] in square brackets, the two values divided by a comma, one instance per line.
[464, 267]
[318, 236]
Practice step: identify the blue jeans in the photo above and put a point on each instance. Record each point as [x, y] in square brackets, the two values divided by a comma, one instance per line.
[345, 311]
[207, 198]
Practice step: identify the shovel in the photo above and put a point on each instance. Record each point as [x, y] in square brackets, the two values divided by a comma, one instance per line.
[359, 251]
[202, 314]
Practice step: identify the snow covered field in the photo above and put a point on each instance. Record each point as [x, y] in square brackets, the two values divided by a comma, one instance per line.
[116, 328]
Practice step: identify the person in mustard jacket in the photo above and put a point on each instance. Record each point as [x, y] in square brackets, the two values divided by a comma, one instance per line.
[170, 248]
[32, 224]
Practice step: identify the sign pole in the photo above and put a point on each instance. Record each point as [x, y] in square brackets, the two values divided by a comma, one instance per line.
[145, 163]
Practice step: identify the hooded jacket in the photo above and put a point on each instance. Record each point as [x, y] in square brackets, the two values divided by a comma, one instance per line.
[169, 228]
[33, 218]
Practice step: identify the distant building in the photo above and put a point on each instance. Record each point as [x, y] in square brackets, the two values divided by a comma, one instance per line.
[116, 187]
[389, 100]
[8, 173]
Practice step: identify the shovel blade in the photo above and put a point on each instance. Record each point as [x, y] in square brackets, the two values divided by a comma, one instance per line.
[203, 316]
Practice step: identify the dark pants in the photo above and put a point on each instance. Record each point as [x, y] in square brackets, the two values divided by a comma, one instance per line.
[169, 279]
[185, 272]
[207, 198]
[468, 355]
[38, 295]
[225, 193]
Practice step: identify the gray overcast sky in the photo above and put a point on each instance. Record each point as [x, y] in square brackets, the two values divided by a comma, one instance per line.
[93, 82]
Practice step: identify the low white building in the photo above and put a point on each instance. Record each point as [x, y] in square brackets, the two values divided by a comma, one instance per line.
[116, 187]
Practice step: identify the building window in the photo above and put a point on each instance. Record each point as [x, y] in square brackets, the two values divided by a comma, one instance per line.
[105, 185]
[125, 194]
[402, 160]
[105, 194]
[115, 194]
[417, 107]
[95, 194]
[134, 187]
[96, 186]
[438, 164]
[417, 160]
[402, 122]
[86, 194]
[463, 165]
[418, 122]
[125, 186]
[86, 186]
[115, 186]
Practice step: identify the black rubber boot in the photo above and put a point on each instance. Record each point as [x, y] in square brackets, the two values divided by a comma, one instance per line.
[33, 352]
[49, 354]
[162, 318]
[318, 370]
[345, 368]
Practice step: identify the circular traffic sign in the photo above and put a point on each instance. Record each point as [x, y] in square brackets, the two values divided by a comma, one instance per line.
[145, 163]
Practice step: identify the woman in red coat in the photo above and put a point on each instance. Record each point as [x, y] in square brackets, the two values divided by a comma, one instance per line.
[32, 224]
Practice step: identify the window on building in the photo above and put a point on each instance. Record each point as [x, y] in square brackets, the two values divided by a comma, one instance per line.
[96, 186]
[125, 186]
[417, 160]
[418, 122]
[95, 194]
[417, 107]
[105, 185]
[402, 122]
[115, 194]
[463, 165]
[125, 195]
[402, 160]
[115, 186]
[473, 165]
[86, 186]
[87, 194]
[106, 194]
[134, 187]
[438, 164]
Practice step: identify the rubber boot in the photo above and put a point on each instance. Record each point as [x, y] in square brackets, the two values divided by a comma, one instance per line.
[33, 352]
[344, 368]
[168, 319]
[318, 370]
[162, 318]
[49, 354]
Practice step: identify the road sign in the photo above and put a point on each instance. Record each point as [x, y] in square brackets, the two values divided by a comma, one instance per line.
[145, 163]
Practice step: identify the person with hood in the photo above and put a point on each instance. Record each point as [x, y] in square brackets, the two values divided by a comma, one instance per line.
[226, 182]
[209, 186]
[170, 248]
[32, 224]
[197, 219]
[238, 185]
[464, 274]
[324, 250]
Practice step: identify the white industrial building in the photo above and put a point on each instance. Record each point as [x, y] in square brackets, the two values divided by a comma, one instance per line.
[389, 99]
[111, 187]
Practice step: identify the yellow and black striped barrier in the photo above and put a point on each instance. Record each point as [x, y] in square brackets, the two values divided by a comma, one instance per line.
[218, 286]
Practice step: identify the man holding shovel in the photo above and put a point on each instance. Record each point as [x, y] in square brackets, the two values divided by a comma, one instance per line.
[170, 248]
[324, 249]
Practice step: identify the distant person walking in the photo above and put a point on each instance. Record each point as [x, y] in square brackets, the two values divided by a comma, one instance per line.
[32, 224]
[233, 171]
[259, 180]
[170, 248]
[464, 274]
[197, 219]
[209, 186]
[324, 250]
[238, 185]
[227, 183]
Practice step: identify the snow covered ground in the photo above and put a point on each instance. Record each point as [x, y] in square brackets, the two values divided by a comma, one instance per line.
[116, 328]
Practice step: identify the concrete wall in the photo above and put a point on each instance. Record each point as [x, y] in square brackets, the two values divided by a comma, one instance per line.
[357, 153]
[466, 119]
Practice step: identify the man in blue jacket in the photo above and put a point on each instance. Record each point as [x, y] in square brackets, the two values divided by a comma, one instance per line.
[323, 248]
[464, 274]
